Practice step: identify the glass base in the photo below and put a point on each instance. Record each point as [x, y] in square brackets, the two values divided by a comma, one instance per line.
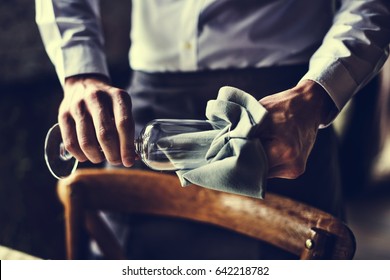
[60, 163]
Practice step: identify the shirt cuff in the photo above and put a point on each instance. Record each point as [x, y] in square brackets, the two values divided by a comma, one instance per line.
[334, 77]
[82, 59]
[336, 80]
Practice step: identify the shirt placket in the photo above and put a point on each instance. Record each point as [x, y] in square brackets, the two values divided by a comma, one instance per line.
[188, 47]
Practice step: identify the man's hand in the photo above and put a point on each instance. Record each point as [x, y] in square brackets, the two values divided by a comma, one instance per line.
[290, 128]
[96, 121]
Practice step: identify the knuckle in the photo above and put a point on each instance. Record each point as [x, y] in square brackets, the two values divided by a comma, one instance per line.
[63, 109]
[105, 134]
[79, 109]
[64, 117]
[95, 95]
[123, 123]
[297, 170]
[70, 145]
[119, 93]
[291, 154]
[121, 97]
[85, 143]
[116, 92]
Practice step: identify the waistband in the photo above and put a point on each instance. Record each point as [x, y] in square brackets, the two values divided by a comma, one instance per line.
[267, 75]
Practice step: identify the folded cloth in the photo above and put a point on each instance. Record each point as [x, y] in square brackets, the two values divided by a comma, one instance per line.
[235, 160]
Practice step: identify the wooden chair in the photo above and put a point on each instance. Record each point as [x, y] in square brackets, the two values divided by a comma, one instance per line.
[295, 227]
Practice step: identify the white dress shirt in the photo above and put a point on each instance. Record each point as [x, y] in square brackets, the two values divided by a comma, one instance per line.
[344, 48]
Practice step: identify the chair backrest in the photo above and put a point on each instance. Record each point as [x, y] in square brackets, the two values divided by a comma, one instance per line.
[295, 227]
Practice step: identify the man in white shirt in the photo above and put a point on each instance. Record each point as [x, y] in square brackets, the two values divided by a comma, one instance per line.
[302, 59]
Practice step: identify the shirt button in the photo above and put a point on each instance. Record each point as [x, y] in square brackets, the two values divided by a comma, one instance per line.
[187, 45]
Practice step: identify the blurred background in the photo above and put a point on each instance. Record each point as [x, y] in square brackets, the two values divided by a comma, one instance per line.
[30, 214]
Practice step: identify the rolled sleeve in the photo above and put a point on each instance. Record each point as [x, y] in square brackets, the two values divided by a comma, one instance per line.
[72, 35]
[354, 49]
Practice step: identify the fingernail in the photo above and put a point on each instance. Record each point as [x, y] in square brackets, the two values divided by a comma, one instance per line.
[116, 163]
[128, 162]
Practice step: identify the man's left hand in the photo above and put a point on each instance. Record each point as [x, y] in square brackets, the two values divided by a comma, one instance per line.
[290, 128]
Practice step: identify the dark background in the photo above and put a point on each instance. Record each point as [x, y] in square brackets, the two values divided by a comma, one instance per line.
[30, 215]
[30, 94]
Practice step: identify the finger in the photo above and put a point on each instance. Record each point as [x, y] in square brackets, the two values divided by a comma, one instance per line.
[86, 134]
[99, 106]
[264, 128]
[284, 160]
[286, 171]
[125, 126]
[69, 137]
[272, 150]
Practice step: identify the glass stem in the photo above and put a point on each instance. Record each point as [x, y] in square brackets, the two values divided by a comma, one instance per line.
[138, 145]
[64, 154]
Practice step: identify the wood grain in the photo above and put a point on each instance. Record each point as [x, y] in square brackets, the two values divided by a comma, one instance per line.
[277, 220]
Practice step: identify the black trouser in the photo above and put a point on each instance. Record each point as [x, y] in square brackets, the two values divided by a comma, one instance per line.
[184, 95]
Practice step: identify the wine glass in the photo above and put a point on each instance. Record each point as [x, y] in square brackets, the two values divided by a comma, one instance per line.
[163, 144]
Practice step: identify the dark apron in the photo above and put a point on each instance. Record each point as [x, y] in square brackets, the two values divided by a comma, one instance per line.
[184, 96]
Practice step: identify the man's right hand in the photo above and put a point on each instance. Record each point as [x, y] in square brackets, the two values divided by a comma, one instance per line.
[96, 121]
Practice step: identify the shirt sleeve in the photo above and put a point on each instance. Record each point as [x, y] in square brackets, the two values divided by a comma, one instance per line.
[354, 49]
[72, 35]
